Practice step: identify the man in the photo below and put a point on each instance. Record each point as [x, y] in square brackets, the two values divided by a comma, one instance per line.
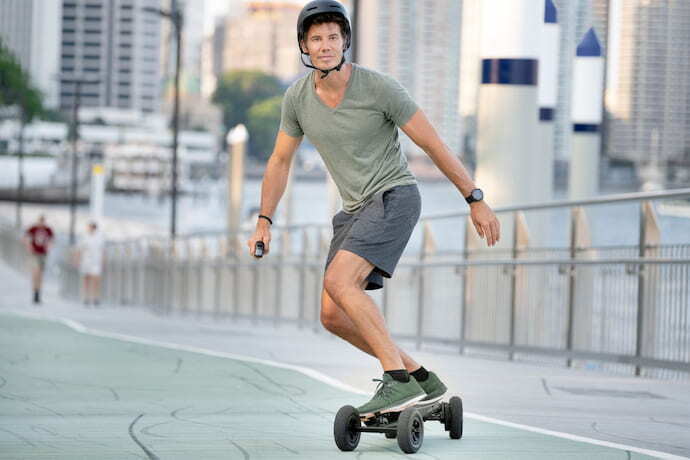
[351, 114]
[91, 264]
[38, 240]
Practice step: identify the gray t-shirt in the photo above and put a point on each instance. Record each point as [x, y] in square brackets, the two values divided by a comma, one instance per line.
[358, 140]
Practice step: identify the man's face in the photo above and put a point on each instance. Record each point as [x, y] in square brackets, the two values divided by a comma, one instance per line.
[41, 220]
[325, 45]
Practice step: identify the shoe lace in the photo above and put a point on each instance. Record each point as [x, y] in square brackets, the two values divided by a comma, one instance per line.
[383, 388]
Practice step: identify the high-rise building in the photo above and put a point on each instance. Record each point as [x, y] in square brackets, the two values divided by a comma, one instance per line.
[264, 38]
[649, 94]
[192, 43]
[418, 43]
[31, 30]
[117, 43]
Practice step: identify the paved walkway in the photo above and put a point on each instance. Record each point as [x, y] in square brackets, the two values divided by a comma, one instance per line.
[70, 391]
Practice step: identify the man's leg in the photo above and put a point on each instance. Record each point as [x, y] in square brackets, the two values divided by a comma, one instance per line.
[85, 289]
[96, 280]
[336, 321]
[343, 283]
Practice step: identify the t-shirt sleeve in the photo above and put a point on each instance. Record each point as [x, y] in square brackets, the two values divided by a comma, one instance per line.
[288, 117]
[396, 101]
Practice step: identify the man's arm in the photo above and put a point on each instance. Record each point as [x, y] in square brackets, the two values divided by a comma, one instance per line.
[273, 185]
[276, 174]
[424, 135]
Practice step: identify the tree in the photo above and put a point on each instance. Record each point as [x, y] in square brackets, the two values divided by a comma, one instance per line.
[15, 87]
[263, 124]
[238, 91]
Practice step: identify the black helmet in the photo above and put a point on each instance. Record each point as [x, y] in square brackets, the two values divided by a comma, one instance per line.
[319, 7]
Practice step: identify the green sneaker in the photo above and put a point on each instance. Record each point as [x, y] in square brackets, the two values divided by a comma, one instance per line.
[434, 388]
[392, 396]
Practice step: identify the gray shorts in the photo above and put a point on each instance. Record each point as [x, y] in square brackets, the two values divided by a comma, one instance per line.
[379, 230]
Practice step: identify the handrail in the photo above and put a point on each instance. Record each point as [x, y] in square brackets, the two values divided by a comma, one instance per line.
[619, 198]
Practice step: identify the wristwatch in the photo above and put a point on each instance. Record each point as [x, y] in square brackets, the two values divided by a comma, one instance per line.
[475, 195]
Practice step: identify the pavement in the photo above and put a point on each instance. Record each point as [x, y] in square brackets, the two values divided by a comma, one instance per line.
[123, 382]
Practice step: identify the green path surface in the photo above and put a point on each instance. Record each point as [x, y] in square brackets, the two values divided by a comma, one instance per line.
[68, 395]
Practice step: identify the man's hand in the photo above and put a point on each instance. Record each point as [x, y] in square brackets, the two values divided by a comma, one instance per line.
[262, 233]
[485, 222]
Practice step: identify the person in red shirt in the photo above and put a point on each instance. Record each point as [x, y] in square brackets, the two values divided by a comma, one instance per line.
[38, 240]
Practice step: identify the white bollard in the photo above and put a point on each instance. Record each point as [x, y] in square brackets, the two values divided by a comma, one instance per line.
[507, 130]
[237, 140]
[97, 192]
[588, 87]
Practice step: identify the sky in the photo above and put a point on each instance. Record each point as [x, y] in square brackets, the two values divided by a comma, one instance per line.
[215, 8]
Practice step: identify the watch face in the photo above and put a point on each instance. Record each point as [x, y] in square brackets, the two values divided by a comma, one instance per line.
[477, 194]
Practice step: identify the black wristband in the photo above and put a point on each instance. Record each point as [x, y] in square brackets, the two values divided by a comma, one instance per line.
[261, 216]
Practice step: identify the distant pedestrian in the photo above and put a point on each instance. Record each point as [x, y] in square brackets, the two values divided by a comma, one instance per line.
[91, 264]
[38, 240]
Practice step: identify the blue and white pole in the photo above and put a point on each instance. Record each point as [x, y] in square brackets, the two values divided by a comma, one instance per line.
[588, 86]
[506, 116]
[507, 125]
[548, 94]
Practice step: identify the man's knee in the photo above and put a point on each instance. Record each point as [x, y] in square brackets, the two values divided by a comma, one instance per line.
[330, 318]
[336, 285]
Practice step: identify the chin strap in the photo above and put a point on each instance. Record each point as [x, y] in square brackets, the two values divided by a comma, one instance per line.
[327, 71]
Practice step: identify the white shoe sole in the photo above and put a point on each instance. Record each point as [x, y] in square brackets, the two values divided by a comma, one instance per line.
[430, 401]
[399, 408]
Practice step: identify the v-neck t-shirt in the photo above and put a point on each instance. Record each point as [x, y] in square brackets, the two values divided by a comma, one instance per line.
[358, 140]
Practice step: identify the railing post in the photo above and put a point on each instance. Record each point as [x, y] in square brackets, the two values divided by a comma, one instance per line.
[579, 238]
[324, 241]
[428, 249]
[520, 243]
[650, 237]
[283, 256]
[303, 277]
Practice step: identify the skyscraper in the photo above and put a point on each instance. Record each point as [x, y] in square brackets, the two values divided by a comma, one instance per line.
[649, 93]
[264, 38]
[116, 42]
[31, 30]
[417, 42]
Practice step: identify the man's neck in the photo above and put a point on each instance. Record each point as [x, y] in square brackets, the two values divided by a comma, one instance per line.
[335, 81]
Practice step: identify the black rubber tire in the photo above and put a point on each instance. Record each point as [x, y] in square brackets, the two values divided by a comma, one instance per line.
[346, 420]
[391, 435]
[456, 417]
[446, 416]
[410, 430]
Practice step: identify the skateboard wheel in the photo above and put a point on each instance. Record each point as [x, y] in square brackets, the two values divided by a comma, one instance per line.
[455, 417]
[346, 422]
[391, 435]
[410, 430]
[446, 416]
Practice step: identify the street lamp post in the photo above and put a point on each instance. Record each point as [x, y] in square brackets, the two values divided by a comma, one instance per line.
[20, 168]
[355, 23]
[78, 81]
[176, 18]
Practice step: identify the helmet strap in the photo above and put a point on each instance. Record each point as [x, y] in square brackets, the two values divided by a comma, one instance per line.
[324, 73]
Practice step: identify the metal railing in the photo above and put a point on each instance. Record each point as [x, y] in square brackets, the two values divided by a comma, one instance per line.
[618, 307]
[12, 250]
